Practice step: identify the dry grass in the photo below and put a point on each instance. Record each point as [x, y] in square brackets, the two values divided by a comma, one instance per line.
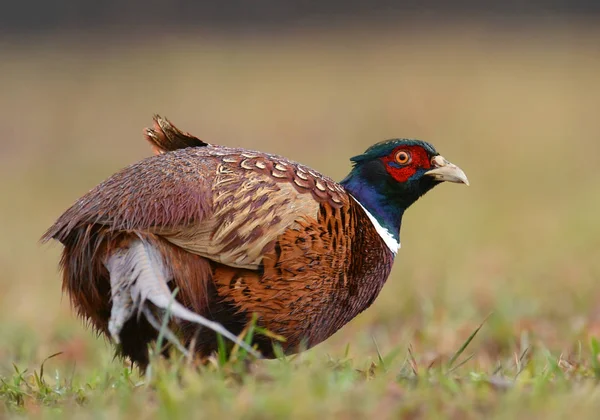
[516, 110]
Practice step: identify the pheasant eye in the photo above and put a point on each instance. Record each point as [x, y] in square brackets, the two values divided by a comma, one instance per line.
[402, 157]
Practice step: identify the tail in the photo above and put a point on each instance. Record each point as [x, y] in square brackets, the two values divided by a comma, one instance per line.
[165, 137]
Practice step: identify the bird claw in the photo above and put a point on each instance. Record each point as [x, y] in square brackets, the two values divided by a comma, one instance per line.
[137, 278]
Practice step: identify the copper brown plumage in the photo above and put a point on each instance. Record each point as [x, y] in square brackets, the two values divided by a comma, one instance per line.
[238, 233]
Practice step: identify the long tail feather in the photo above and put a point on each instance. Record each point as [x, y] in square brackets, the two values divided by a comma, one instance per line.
[137, 276]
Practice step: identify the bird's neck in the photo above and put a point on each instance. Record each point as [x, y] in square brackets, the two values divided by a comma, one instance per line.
[385, 209]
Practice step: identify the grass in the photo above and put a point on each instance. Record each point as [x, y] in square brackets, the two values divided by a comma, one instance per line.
[493, 306]
[391, 385]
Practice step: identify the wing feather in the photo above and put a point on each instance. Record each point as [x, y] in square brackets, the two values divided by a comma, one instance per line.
[217, 202]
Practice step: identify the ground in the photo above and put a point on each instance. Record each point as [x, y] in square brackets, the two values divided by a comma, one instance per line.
[516, 253]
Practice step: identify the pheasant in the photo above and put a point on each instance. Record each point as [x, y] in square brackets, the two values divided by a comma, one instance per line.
[213, 236]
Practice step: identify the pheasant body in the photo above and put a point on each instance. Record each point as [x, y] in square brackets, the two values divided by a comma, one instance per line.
[238, 233]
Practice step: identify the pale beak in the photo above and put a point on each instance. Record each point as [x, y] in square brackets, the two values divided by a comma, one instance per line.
[446, 171]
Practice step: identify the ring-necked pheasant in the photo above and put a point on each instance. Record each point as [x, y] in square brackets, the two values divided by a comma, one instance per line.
[238, 232]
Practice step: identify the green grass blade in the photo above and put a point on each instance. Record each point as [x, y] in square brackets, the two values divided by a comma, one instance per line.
[465, 344]
[595, 348]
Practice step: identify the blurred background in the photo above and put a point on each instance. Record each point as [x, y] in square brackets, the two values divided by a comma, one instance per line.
[508, 91]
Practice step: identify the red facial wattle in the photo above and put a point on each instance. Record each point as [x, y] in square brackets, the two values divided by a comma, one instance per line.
[419, 159]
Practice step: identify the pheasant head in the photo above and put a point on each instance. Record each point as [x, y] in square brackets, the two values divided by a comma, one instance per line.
[391, 175]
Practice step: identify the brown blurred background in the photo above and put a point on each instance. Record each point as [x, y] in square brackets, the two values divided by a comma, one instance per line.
[508, 91]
